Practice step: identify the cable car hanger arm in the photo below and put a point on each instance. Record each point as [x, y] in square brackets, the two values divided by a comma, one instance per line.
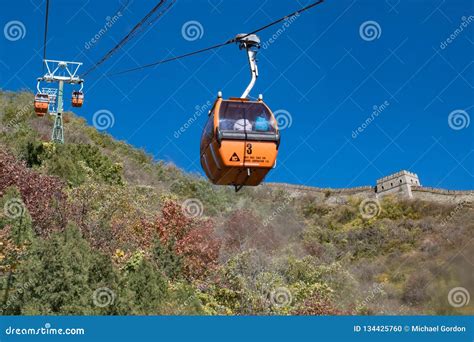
[251, 43]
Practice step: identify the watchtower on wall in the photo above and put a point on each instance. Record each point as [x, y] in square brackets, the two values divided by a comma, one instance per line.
[398, 183]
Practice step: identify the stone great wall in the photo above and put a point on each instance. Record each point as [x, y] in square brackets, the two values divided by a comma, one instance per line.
[327, 195]
[442, 195]
[399, 187]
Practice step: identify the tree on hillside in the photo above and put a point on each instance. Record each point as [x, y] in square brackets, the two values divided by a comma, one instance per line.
[193, 239]
[143, 289]
[16, 235]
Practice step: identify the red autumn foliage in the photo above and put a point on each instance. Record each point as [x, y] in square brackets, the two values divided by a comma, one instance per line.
[193, 238]
[42, 195]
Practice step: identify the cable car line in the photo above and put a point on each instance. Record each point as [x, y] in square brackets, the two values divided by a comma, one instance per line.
[45, 31]
[285, 17]
[230, 41]
[173, 58]
[147, 19]
[135, 30]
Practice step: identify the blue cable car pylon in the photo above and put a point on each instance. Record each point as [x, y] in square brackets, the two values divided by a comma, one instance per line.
[60, 72]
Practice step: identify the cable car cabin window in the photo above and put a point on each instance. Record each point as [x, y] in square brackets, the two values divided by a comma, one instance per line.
[208, 132]
[245, 117]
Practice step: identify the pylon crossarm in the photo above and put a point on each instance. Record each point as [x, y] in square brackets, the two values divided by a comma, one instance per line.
[61, 71]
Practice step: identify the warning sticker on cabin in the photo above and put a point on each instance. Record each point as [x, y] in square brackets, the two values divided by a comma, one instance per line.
[256, 159]
[234, 158]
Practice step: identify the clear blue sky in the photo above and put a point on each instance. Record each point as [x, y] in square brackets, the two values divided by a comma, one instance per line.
[324, 70]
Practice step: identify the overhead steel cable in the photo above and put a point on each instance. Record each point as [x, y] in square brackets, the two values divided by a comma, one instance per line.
[285, 17]
[149, 19]
[230, 41]
[45, 30]
[172, 58]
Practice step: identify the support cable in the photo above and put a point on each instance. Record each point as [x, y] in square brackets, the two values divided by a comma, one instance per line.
[45, 32]
[149, 19]
[217, 46]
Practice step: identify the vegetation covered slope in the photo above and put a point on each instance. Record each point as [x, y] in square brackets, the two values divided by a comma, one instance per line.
[96, 226]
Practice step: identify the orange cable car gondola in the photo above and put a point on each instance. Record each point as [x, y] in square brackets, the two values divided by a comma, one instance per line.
[77, 98]
[41, 104]
[240, 141]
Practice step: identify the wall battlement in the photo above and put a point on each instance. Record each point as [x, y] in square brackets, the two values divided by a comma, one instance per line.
[397, 174]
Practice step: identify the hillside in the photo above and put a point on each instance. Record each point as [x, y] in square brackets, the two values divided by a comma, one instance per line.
[96, 226]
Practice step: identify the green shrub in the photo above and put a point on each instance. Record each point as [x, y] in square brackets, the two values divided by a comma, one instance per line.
[78, 162]
[60, 276]
[143, 290]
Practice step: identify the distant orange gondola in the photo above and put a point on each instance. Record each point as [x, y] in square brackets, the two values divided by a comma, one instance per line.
[77, 98]
[41, 104]
[240, 141]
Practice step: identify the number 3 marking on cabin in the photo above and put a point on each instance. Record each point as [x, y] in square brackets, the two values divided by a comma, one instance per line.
[249, 148]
